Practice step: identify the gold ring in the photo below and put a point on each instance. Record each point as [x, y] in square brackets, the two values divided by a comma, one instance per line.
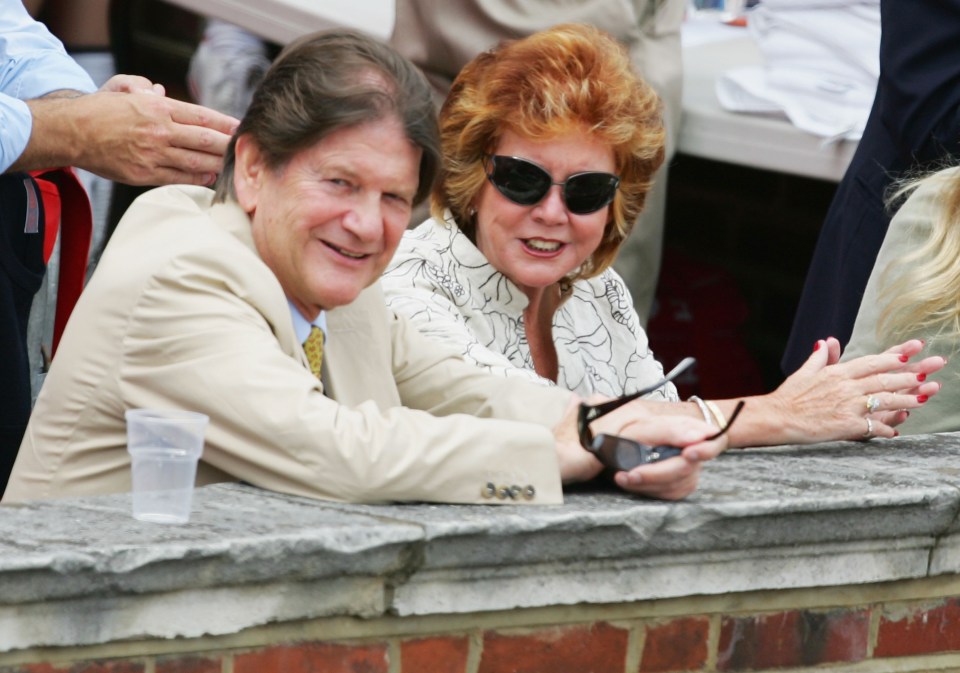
[869, 433]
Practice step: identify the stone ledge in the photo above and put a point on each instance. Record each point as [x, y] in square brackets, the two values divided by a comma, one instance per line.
[778, 518]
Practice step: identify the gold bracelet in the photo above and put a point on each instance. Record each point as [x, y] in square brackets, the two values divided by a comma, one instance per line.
[717, 414]
[703, 409]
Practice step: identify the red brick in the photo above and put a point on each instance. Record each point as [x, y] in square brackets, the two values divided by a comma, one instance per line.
[188, 665]
[679, 645]
[117, 666]
[434, 655]
[796, 638]
[844, 636]
[599, 648]
[314, 658]
[928, 628]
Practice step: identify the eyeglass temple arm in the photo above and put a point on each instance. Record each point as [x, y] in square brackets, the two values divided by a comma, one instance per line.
[604, 408]
[733, 417]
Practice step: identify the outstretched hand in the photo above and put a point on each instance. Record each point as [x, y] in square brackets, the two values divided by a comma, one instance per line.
[826, 399]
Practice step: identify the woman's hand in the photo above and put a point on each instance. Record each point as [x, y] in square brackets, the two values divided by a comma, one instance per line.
[828, 400]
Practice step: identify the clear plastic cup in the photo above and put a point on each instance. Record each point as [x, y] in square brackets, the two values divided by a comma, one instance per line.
[164, 447]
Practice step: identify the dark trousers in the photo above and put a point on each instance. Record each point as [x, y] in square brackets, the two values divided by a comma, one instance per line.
[21, 273]
[914, 126]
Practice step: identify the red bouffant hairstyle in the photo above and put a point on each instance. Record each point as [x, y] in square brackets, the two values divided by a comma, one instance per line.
[564, 79]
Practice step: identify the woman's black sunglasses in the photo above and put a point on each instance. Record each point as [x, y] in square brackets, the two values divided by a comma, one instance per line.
[526, 183]
[620, 453]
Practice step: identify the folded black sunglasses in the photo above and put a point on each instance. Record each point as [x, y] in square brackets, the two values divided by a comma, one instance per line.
[620, 453]
[526, 183]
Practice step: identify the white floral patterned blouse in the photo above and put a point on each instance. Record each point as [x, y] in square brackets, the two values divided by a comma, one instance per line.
[444, 285]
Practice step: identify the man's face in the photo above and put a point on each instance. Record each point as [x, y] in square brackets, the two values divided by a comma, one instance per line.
[328, 222]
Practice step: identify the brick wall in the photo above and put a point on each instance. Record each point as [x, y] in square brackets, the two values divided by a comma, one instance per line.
[920, 634]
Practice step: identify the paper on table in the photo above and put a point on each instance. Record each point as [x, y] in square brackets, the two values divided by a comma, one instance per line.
[821, 69]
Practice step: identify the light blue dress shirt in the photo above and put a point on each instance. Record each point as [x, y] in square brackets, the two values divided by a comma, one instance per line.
[32, 63]
[301, 327]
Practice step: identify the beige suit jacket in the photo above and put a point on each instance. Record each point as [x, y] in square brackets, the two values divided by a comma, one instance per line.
[182, 313]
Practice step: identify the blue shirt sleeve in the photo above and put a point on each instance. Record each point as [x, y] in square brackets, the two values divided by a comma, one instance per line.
[32, 63]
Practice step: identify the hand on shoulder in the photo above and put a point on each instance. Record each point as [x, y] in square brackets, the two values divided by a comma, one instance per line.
[129, 132]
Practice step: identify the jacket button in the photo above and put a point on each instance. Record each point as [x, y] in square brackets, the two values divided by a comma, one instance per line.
[503, 492]
[529, 493]
[515, 492]
[489, 490]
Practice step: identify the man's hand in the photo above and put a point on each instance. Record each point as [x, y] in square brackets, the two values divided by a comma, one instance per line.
[129, 132]
[132, 84]
[576, 463]
[671, 479]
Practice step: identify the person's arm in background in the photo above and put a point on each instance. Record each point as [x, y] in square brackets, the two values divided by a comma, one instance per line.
[139, 137]
[125, 131]
[34, 64]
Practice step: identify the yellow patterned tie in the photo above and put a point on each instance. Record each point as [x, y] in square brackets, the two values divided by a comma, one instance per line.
[313, 347]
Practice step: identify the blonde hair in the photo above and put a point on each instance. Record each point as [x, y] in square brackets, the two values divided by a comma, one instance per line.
[925, 296]
[563, 79]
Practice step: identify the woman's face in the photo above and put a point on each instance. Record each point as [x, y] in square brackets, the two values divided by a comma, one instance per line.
[535, 246]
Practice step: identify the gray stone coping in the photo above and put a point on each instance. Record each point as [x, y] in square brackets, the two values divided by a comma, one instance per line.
[774, 518]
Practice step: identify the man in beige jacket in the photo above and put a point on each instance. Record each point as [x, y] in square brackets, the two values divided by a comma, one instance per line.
[202, 301]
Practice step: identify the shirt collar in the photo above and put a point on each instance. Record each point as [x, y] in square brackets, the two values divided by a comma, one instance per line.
[301, 326]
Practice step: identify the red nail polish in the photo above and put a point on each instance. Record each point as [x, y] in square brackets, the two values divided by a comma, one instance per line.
[816, 347]
[922, 398]
[904, 358]
[921, 377]
[896, 433]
